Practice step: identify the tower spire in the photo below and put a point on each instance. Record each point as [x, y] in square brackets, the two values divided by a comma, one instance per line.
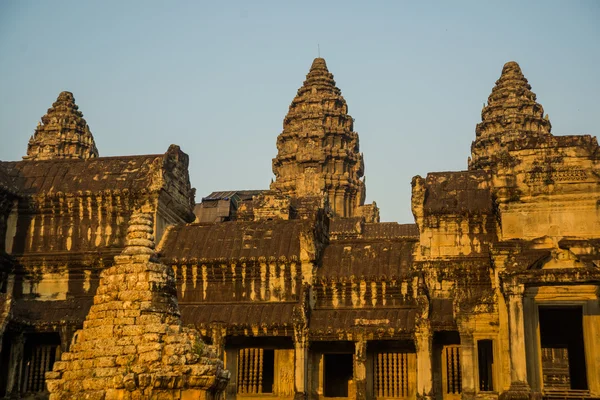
[318, 151]
[511, 113]
[63, 133]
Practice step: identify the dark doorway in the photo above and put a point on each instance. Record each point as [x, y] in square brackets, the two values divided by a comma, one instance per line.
[268, 377]
[563, 353]
[485, 354]
[338, 372]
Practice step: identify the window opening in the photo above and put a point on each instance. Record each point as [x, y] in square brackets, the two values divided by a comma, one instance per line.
[452, 369]
[563, 352]
[391, 375]
[256, 369]
[40, 354]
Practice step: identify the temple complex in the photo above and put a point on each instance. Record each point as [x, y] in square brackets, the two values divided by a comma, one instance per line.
[115, 284]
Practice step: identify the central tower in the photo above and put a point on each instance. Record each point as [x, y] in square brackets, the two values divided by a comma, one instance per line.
[318, 151]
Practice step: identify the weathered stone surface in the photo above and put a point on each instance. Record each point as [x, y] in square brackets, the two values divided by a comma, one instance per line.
[63, 133]
[148, 353]
[318, 150]
[284, 287]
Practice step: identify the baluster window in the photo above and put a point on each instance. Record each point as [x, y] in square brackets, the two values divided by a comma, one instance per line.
[391, 375]
[255, 370]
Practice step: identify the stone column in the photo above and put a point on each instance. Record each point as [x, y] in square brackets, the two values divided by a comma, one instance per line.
[360, 368]
[423, 344]
[591, 339]
[300, 365]
[218, 339]
[519, 388]
[15, 363]
[66, 336]
[467, 365]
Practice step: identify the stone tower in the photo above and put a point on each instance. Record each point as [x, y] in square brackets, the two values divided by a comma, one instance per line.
[63, 133]
[511, 114]
[318, 150]
[133, 345]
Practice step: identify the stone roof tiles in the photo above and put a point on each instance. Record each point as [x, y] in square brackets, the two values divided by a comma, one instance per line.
[34, 177]
[238, 314]
[401, 319]
[228, 194]
[390, 230]
[362, 258]
[35, 312]
[6, 184]
[239, 240]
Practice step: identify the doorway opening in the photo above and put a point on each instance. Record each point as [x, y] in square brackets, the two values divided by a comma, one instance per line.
[563, 352]
[339, 372]
[447, 374]
[485, 354]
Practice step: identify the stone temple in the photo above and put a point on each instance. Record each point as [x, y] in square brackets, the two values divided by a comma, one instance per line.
[115, 284]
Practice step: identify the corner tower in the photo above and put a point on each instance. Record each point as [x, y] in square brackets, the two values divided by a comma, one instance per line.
[63, 133]
[318, 150]
[511, 114]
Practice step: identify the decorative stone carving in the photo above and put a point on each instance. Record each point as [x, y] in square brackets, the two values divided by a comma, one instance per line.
[318, 151]
[63, 133]
[132, 345]
[511, 113]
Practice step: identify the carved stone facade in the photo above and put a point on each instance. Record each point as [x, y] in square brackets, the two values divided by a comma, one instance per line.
[493, 292]
[63, 133]
[132, 345]
[318, 150]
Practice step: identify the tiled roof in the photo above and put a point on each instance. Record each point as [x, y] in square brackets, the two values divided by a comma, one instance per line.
[94, 174]
[367, 258]
[238, 314]
[397, 318]
[36, 312]
[390, 230]
[225, 195]
[233, 241]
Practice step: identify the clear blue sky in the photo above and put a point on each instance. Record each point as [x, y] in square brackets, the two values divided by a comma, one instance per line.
[217, 77]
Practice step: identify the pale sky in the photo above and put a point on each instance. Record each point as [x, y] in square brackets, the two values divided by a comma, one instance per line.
[217, 77]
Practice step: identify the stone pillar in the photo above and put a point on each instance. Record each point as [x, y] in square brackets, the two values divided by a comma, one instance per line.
[15, 363]
[218, 339]
[591, 338]
[360, 368]
[519, 388]
[423, 344]
[66, 336]
[300, 365]
[467, 365]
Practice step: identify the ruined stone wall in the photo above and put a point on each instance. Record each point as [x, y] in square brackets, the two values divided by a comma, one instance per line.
[552, 190]
[455, 214]
[132, 345]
